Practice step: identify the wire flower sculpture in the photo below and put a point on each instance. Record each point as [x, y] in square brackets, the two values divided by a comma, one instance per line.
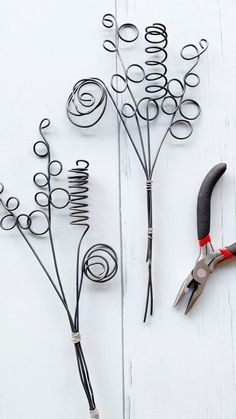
[99, 262]
[87, 103]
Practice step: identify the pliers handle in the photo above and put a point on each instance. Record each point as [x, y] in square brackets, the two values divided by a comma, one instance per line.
[204, 209]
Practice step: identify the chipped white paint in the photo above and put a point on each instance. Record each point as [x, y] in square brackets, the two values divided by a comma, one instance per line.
[174, 367]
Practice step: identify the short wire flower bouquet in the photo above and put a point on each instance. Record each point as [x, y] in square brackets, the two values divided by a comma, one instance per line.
[99, 262]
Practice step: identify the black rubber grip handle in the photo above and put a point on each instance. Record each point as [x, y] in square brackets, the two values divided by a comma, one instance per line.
[204, 199]
[232, 248]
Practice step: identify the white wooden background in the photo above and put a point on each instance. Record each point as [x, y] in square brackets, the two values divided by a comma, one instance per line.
[174, 367]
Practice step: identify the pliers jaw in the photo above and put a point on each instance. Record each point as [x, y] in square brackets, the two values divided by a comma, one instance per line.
[184, 289]
[189, 285]
[196, 280]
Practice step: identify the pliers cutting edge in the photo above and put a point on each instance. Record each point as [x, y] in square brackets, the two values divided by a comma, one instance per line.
[208, 257]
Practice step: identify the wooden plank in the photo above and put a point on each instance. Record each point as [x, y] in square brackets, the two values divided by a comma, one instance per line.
[177, 366]
[46, 47]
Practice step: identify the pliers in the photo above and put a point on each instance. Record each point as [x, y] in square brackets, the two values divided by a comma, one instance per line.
[208, 257]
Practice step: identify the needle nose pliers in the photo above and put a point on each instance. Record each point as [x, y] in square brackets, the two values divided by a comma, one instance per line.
[208, 257]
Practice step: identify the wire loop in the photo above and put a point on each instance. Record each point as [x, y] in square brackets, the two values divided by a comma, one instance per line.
[128, 32]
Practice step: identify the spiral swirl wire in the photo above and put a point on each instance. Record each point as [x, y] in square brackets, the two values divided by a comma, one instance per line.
[100, 263]
[82, 103]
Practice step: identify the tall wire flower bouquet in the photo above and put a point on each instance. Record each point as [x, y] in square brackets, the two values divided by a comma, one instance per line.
[158, 96]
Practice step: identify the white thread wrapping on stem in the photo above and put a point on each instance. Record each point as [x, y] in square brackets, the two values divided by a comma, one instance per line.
[76, 337]
[94, 414]
[149, 185]
[150, 232]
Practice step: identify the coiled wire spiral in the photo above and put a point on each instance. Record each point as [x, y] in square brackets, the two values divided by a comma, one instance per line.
[78, 183]
[157, 38]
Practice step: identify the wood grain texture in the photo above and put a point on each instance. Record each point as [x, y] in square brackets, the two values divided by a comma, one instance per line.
[174, 367]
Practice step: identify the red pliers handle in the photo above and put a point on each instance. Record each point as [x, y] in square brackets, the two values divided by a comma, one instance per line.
[208, 257]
